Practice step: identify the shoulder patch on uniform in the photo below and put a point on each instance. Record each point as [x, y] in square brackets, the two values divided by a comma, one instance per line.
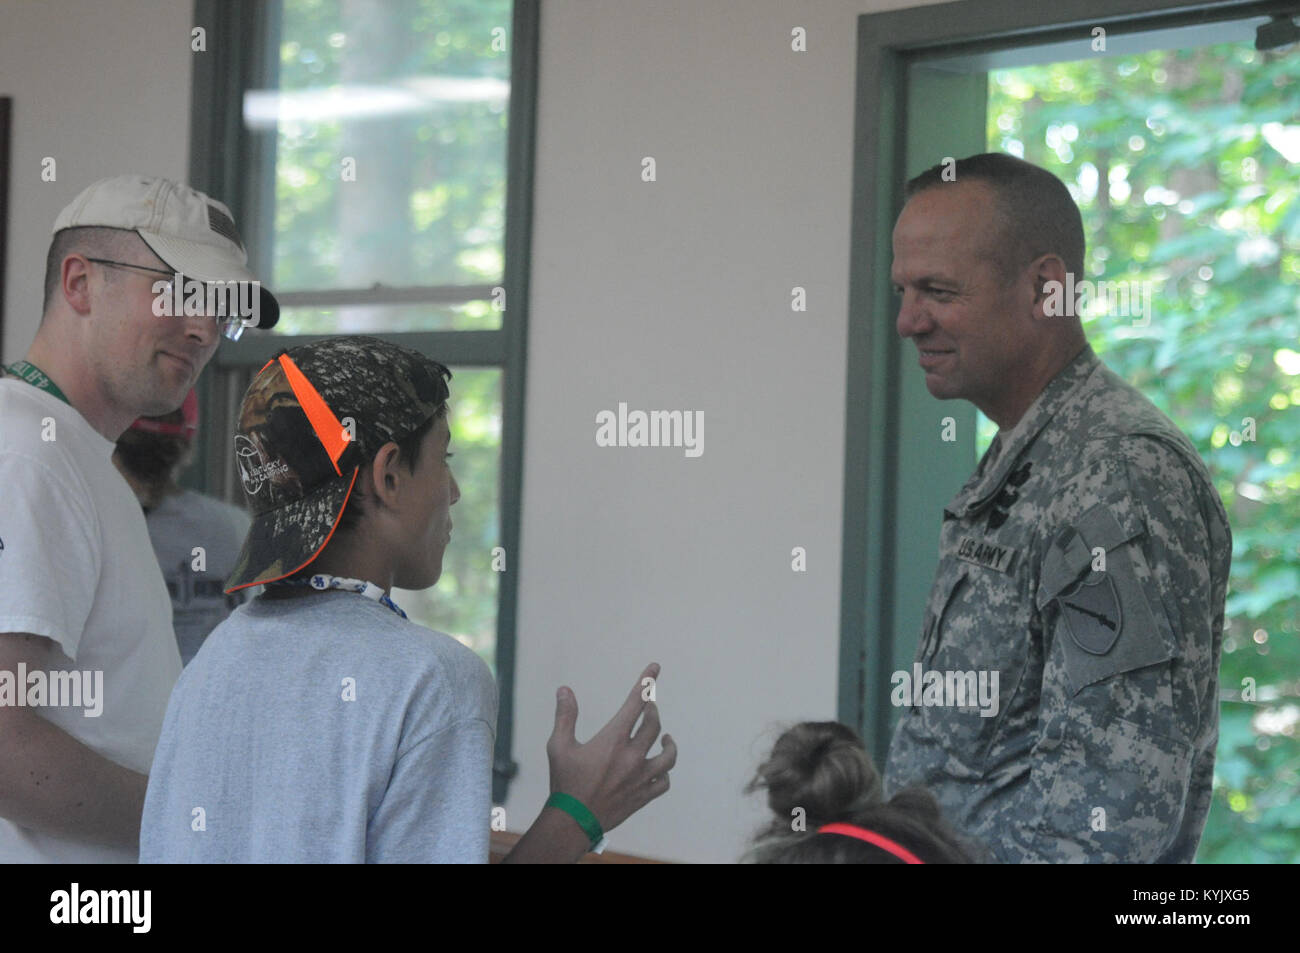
[1092, 613]
[1109, 612]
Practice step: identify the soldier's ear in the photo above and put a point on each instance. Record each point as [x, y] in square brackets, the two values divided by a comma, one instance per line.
[1054, 297]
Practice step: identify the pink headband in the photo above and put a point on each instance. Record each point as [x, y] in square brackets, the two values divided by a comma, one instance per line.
[871, 837]
[187, 427]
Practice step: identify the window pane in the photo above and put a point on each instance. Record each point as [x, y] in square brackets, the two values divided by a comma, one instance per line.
[389, 130]
[381, 319]
[464, 602]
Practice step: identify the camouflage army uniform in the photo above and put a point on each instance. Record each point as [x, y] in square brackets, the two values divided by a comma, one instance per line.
[1097, 595]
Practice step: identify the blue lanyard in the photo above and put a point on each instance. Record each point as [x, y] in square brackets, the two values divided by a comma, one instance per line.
[323, 581]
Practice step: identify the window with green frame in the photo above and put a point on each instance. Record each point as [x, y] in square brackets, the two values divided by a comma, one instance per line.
[377, 156]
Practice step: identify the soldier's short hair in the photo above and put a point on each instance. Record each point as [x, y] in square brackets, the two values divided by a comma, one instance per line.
[1038, 215]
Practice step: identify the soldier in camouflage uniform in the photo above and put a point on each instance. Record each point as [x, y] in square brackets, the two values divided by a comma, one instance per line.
[1085, 561]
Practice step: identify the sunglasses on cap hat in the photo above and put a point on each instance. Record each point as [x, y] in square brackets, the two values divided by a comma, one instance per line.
[234, 305]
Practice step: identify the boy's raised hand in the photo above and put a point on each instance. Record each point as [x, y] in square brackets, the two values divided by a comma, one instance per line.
[611, 773]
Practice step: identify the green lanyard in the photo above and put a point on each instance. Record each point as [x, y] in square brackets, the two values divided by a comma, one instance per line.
[30, 373]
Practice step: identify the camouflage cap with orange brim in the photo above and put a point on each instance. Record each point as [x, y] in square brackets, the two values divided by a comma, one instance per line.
[310, 419]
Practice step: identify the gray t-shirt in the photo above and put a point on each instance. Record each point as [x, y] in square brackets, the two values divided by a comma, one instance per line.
[324, 729]
[180, 524]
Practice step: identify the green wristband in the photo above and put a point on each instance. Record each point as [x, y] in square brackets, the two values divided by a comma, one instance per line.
[578, 811]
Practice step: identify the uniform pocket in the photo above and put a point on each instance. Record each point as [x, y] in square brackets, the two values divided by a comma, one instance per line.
[1117, 793]
[974, 669]
[930, 644]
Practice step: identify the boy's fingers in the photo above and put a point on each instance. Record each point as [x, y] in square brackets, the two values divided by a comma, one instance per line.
[626, 716]
[658, 787]
[645, 736]
[663, 762]
[566, 716]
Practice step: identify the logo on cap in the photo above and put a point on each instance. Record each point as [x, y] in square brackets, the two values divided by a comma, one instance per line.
[254, 469]
[223, 225]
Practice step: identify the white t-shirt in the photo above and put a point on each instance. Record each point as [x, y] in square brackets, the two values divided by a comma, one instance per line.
[77, 567]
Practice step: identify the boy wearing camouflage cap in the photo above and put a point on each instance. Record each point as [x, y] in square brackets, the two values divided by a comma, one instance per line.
[317, 724]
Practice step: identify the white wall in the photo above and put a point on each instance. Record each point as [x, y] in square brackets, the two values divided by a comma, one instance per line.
[103, 88]
[676, 295]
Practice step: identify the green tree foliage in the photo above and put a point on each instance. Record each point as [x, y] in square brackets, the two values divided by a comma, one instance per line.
[415, 94]
[1184, 164]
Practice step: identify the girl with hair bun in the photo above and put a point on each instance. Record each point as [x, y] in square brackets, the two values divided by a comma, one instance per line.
[829, 807]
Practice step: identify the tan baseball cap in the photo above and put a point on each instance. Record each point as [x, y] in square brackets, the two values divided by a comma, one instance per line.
[192, 233]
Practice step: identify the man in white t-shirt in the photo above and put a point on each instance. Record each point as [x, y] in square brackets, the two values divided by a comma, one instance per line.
[87, 654]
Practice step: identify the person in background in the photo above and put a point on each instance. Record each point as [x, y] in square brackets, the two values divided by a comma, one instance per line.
[829, 807]
[196, 537]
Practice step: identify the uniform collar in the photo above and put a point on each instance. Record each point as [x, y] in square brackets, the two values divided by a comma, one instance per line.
[1003, 455]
